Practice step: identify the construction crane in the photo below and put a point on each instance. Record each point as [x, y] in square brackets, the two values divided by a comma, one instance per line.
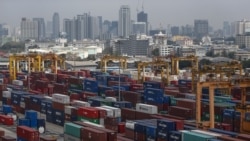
[106, 58]
[157, 63]
[175, 63]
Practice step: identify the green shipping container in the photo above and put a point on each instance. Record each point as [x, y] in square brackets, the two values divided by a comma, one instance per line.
[94, 120]
[106, 103]
[72, 129]
[191, 136]
[205, 117]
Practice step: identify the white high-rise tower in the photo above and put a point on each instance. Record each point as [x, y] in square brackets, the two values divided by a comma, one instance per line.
[124, 21]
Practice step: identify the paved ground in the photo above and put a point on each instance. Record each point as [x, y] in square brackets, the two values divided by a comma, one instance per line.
[51, 129]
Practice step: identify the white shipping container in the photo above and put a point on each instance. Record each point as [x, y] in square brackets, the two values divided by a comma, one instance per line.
[71, 138]
[117, 111]
[111, 99]
[130, 125]
[110, 113]
[78, 103]
[17, 82]
[60, 98]
[68, 109]
[206, 133]
[22, 104]
[150, 109]
[93, 124]
[6, 94]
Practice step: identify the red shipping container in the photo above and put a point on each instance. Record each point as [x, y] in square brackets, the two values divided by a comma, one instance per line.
[85, 95]
[139, 137]
[88, 112]
[27, 133]
[91, 134]
[227, 138]
[58, 106]
[74, 96]
[6, 120]
[120, 138]
[127, 114]
[129, 133]
[244, 137]
[121, 127]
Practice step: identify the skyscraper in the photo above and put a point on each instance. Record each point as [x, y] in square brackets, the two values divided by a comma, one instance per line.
[124, 21]
[29, 29]
[200, 28]
[56, 25]
[41, 28]
[143, 17]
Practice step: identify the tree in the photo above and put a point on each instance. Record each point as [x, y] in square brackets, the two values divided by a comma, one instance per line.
[209, 53]
[108, 50]
[231, 55]
[14, 47]
[204, 62]
[156, 52]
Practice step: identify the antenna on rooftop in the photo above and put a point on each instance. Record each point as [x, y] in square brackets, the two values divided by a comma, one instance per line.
[142, 7]
[137, 10]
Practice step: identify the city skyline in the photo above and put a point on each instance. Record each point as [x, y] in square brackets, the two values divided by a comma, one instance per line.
[162, 12]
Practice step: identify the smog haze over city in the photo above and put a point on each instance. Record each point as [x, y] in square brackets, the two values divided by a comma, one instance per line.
[160, 12]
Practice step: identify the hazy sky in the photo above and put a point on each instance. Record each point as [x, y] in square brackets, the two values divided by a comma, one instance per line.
[174, 12]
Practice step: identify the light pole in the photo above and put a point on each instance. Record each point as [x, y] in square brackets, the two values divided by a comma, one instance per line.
[119, 42]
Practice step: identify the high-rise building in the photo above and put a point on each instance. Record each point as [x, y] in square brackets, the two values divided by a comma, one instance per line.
[41, 28]
[69, 29]
[200, 28]
[241, 27]
[56, 25]
[29, 29]
[49, 27]
[124, 21]
[143, 17]
[226, 29]
[175, 30]
[139, 28]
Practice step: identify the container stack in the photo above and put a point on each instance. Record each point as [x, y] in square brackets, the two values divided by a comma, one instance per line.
[25, 133]
[56, 112]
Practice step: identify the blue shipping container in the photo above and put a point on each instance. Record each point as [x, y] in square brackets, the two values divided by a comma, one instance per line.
[165, 125]
[153, 92]
[24, 122]
[151, 84]
[7, 109]
[31, 114]
[151, 130]
[175, 136]
[40, 123]
[36, 99]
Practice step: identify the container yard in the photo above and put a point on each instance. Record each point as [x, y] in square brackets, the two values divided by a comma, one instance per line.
[209, 104]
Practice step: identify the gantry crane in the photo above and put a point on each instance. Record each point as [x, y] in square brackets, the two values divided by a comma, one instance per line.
[32, 62]
[221, 69]
[212, 86]
[55, 61]
[175, 63]
[106, 58]
[241, 107]
[158, 63]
